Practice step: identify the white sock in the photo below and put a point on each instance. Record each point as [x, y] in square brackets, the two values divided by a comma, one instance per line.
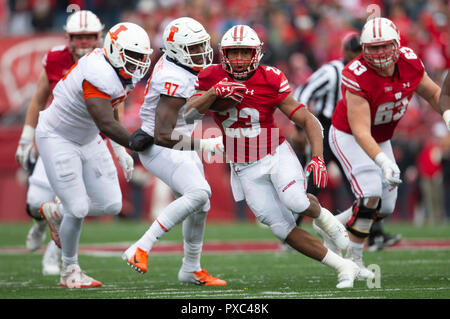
[355, 251]
[326, 220]
[193, 231]
[345, 215]
[333, 260]
[69, 233]
[151, 236]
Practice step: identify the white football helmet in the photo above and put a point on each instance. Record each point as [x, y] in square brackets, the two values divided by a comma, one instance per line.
[179, 37]
[377, 32]
[241, 36]
[127, 47]
[83, 22]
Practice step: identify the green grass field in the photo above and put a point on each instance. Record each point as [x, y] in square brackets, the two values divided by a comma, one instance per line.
[405, 273]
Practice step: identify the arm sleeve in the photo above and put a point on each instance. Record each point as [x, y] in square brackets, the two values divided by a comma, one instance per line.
[90, 90]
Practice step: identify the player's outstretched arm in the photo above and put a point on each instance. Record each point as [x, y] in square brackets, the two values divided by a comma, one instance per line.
[37, 104]
[198, 104]
[102, 113]
[165, 121]
[358, 113]
[430, 91]
[305, 119]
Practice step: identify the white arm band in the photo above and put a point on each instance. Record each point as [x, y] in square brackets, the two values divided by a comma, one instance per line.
[192, 115]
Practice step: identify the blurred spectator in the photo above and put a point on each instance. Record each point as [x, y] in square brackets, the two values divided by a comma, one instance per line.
[429, 164]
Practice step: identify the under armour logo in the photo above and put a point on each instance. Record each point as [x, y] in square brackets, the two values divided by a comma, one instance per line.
[226, 89]
[251, 92]
[406, 85]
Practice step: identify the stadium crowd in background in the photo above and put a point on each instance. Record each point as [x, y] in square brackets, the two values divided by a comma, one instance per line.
[299, 37]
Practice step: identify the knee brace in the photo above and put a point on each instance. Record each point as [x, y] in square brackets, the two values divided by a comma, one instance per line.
[362, 218]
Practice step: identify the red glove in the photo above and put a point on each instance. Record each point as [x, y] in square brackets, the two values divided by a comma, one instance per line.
[233, 90]
[319, 169]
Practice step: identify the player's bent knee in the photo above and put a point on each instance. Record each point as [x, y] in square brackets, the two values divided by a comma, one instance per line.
[362, 218]
[80, 209]
[297, 204]
[33, 211]
[281, 230]
[387, 208]
[113, 209]
[198, 198]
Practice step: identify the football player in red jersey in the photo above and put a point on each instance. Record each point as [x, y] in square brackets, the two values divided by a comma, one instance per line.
[376, 89]
[265, 171]
[84, 33]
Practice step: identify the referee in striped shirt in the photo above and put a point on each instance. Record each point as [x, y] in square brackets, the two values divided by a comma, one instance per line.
[321, 93]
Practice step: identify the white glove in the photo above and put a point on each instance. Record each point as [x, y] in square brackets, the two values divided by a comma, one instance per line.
[446, 117]
[390, 170]
[125, 160]
[25, 151]
[212, 146]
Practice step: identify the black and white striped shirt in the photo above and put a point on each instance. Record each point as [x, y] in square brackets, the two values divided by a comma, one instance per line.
[323, 88]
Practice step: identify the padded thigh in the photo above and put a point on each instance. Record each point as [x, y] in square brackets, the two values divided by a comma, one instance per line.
[263, 200]
[182, 171]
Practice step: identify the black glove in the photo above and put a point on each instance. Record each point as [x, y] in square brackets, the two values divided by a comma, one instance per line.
[140, 141]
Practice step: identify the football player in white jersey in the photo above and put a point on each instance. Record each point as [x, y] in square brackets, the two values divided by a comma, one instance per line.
[84, 33]
[187, 50]
[77, 162]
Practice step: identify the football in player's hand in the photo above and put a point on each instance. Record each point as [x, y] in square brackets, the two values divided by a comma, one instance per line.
[220, 105]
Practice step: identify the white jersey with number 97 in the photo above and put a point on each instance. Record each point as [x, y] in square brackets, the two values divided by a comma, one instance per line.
[171, 79]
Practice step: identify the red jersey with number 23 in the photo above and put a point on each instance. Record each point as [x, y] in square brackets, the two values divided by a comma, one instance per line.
[249, 128]
[388, 97]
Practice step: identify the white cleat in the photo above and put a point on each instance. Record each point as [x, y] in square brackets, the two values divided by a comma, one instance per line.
[364, 273]
[347, 275]
[50, 212]
[327, 241]
[73, 277]
[36, 235]
[51, 260]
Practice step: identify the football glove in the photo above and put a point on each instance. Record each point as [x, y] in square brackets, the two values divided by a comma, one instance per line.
[125, 160]
[26, 154]
[225, 89]
[390, 170]
[318, 168]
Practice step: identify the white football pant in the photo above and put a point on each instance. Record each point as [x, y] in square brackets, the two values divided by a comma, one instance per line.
[183, 172]
[274, 187]
[365, 177]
